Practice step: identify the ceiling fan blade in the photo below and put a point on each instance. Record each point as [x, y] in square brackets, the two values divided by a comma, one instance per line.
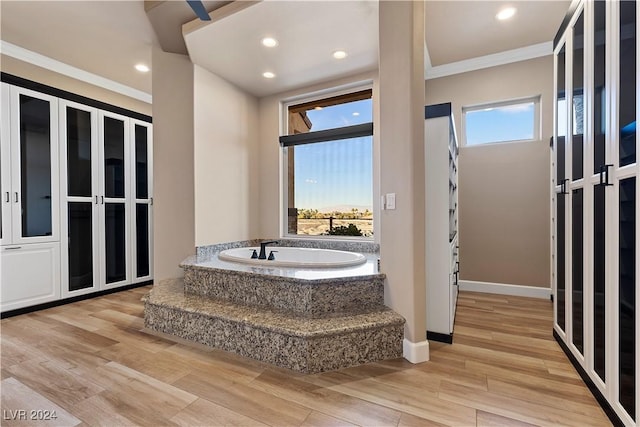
[199, 10]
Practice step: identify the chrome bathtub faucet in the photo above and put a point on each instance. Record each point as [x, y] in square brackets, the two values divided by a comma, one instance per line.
[263, 245]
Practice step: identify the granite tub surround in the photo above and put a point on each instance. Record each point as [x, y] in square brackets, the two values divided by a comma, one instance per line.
[308, 293]
[307, 298]
[305, 319]
[277, 337]
[209, 250]
[210, 260]
[339, 245]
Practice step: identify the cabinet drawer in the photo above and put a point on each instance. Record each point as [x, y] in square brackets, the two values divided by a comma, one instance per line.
[30, 275]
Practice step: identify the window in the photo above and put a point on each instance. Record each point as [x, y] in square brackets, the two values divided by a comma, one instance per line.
[506, 121]
[328, 153]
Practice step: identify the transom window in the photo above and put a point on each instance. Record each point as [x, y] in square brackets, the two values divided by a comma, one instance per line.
[328, 153]
[506, 121]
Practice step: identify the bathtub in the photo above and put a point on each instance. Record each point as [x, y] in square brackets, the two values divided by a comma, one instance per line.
[295, 257]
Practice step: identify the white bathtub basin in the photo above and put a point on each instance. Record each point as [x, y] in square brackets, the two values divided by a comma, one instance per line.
[295, 257]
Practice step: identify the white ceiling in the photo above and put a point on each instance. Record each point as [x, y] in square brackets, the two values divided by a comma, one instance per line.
[308, 33]
[167, 18]
[108, 37]
[460, 30]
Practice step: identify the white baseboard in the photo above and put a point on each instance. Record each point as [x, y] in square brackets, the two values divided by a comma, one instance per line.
[504, 289]
[415, 352]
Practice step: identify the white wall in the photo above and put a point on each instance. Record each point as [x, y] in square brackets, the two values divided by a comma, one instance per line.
[226, 161]
[504, 214]
[504, 189]
[270, 186]
[173, 173]
[29, 71]
[401, 127]
[396, 165]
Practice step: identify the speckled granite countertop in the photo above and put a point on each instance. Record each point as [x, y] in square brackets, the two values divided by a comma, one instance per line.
[300, 242]
[170, 293]
[211, 261]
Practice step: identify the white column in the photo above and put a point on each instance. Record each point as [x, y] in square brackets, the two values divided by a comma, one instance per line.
[401, 135]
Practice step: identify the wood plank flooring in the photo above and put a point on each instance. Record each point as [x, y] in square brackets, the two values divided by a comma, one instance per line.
[93, 363]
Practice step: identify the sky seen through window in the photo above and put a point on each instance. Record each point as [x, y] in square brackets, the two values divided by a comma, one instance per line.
[336, 175]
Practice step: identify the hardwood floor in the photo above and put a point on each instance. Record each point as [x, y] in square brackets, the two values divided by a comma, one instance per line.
[93, 364]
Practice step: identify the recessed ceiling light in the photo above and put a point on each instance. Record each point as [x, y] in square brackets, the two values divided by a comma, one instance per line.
[142, 68]
[317, 108]
[339, 54]
[268, 75]
[506, 13]
[269, 42]
[355, 113]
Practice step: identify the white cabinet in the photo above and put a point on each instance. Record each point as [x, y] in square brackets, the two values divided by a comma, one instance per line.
[80, 189]
[30, 274]
[30, 226]
[115, 194]
[142, 201]
[441, 186]
[76, 182]
[29, 153]
[596, 201]
[106, 187]
[5, 168]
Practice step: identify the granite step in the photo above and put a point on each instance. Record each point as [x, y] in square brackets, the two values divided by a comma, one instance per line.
[281, 338]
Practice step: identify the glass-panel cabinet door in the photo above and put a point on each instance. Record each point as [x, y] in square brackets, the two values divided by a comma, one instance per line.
[625, 176]
[577, 184]
[80, 207]
[627, 247]
[142, 153]
[627, 84]
[5, 167]
[114, 161]
[598, 229]
[561, 188]
[34, 152]
[115, 243]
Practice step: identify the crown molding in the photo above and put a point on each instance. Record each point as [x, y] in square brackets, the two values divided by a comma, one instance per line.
[42, 61]
[488, 61]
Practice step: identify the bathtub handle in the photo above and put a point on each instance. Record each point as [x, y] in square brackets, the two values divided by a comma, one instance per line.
[254, 255]
[271, 256]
